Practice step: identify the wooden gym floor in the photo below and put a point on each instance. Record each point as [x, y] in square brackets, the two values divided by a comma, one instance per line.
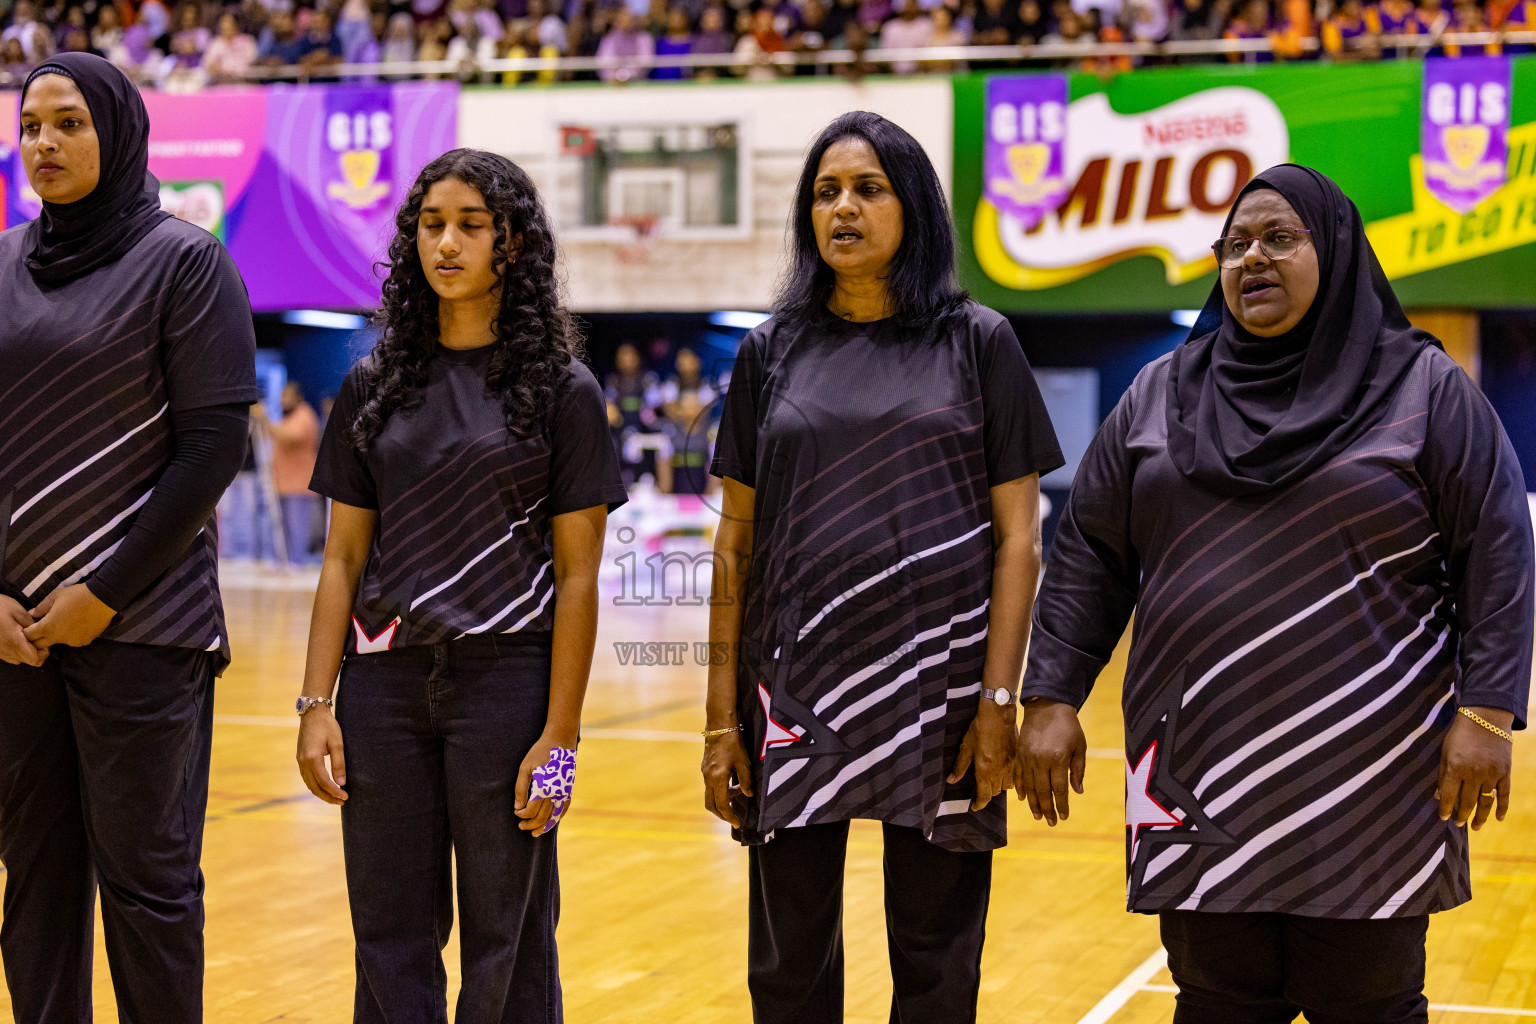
[654, 919]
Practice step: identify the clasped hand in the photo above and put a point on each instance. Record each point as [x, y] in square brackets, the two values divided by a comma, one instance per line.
[71, 616]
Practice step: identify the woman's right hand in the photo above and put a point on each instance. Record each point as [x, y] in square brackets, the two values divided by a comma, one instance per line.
[1052, 752]
[727, 770]
[15, 648]
[319, 738]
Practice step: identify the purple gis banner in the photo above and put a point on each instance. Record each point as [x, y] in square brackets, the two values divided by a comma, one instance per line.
[1462, 129]
[336, 162]
[1026, 125]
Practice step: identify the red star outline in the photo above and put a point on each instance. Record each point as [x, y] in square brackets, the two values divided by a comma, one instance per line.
[384, 640]
[776, 735]
[1142, 775]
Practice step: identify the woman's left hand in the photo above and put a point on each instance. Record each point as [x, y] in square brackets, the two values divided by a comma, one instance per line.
[989, 745]
[69, 617]
[555, 761]
[1474, 768]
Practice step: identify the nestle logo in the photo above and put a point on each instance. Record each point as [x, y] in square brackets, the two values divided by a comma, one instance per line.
[1196, 128]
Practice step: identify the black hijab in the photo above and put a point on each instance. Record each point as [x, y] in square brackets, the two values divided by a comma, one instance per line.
[1246, 414]
[71, 239]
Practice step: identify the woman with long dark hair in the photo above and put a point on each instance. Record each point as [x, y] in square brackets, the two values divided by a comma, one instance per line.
[1322, 530]
[472, 471]
[127, 363]
[876, 560]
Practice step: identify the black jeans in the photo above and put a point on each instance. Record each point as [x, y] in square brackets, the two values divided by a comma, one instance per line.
[1267, 968]
[935, 920]
[104, 780]
[434, 737]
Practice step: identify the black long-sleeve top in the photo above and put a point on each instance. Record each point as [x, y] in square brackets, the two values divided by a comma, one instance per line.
[1299, 654]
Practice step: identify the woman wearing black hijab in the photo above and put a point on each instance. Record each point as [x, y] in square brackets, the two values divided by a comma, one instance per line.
[1323, 532]
[126, 367]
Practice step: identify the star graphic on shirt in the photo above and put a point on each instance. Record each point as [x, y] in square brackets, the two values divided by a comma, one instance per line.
[774, 735]
[1142, 809]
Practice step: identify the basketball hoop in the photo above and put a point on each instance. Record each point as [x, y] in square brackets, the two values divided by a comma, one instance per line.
[644, 228]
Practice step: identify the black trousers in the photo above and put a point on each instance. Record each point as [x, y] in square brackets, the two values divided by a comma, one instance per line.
[935, 921]
[434, 737]
[1267, 968]
[104, 781]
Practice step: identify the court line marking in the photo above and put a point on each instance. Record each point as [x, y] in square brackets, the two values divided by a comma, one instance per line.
[1139, 981]
[596, 733]
[1497, 1011]
[1124, 992]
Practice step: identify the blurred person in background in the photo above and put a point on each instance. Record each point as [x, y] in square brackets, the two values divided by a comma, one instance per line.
[188, 42]
[400, 44]
[688, 382]
[633, 395]
[156, 19]
[1468, 17]
[911, 29]
[811, 36]
[1347, 35]
[23, 28]
[231, 53]
[355, 29]
[1295, 27]
[324, 45]
[77, 41]
[551, 29]
[1252, 23]
[712, 37]
[1149, 20]
[758, 44]
[13, 59]
[108, 33]
[74, 18]
[997, 23]
[1070, 33]
[627, 44]
[1197, 21]
[295, 446]
[42, 43]
[285, 45]
[945, 34]
[677, 41]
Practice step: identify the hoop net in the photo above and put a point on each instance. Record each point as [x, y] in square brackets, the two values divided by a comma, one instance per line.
[644, 229]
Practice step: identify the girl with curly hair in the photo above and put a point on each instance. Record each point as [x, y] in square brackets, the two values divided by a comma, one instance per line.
[472, 472]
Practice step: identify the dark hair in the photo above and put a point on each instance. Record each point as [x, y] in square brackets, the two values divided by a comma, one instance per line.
[922, 283]
[536, 338]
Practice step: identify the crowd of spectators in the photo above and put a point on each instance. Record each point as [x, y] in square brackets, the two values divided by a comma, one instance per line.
[200, 41]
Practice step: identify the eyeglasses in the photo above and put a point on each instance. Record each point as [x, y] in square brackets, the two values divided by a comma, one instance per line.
[1276, 243]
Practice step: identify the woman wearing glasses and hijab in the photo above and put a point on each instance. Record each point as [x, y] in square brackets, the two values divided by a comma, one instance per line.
[127, 363]
[1323, 532]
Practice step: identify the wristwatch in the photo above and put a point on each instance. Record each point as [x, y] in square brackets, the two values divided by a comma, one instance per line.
[1001, 697]
[305, 703]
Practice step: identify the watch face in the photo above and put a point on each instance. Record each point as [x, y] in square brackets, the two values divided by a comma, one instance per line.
[1000, 697]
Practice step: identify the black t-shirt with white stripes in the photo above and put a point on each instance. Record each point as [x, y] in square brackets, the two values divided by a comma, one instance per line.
[1299, 654]
[872, 455]
[92, 373]
[464, 544]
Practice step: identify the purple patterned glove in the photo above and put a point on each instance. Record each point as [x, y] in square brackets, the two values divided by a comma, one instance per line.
[554, 780]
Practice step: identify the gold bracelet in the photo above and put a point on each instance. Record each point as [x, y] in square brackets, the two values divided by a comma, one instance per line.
[1500, 733]
[707, 733]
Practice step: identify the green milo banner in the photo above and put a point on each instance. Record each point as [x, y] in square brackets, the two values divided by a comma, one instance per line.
[1150, 162]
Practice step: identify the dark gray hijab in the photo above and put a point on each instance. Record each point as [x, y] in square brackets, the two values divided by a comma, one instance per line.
[69, 240]
[1246, 414]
